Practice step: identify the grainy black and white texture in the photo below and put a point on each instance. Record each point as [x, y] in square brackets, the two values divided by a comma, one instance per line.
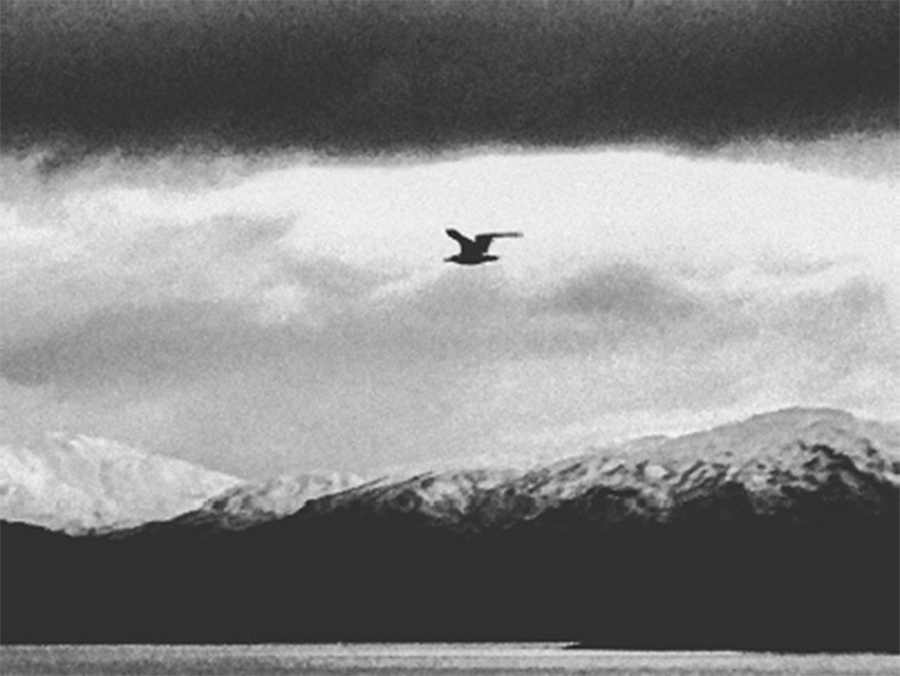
[222, 241]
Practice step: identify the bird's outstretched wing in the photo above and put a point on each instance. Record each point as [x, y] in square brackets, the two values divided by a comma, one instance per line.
[464, 242]
[483, 241]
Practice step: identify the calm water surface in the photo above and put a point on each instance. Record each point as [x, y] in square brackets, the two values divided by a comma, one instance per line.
[420, 659]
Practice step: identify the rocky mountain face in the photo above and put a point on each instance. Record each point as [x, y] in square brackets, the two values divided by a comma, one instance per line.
[79, 484]
[781, 532]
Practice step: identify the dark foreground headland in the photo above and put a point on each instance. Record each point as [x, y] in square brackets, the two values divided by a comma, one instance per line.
[760, 542]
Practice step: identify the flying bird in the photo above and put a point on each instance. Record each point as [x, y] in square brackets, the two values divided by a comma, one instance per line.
[474, 251]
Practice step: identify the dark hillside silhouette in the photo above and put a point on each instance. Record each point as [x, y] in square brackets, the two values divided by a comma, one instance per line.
[782, 546]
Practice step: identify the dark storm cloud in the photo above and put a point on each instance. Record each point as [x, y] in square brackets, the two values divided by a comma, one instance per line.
[369, 77]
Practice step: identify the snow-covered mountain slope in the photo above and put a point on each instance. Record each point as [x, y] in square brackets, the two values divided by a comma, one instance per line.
[82, 483]
[254, 503]
[769, 463]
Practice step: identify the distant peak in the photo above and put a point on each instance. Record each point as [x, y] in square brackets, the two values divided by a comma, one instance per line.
[77, 482]
[799, 412]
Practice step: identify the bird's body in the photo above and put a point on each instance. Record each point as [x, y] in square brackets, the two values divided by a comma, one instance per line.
[474, 251]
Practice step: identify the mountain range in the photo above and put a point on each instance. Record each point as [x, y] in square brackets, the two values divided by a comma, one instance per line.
[779, 532]
[770, 464]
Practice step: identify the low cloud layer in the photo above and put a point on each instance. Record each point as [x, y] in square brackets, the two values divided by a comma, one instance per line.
[363, 78]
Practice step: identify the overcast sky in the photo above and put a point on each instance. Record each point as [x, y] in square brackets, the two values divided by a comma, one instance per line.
[222, 224]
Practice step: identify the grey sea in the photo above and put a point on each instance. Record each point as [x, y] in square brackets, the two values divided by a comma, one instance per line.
[429, 659]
